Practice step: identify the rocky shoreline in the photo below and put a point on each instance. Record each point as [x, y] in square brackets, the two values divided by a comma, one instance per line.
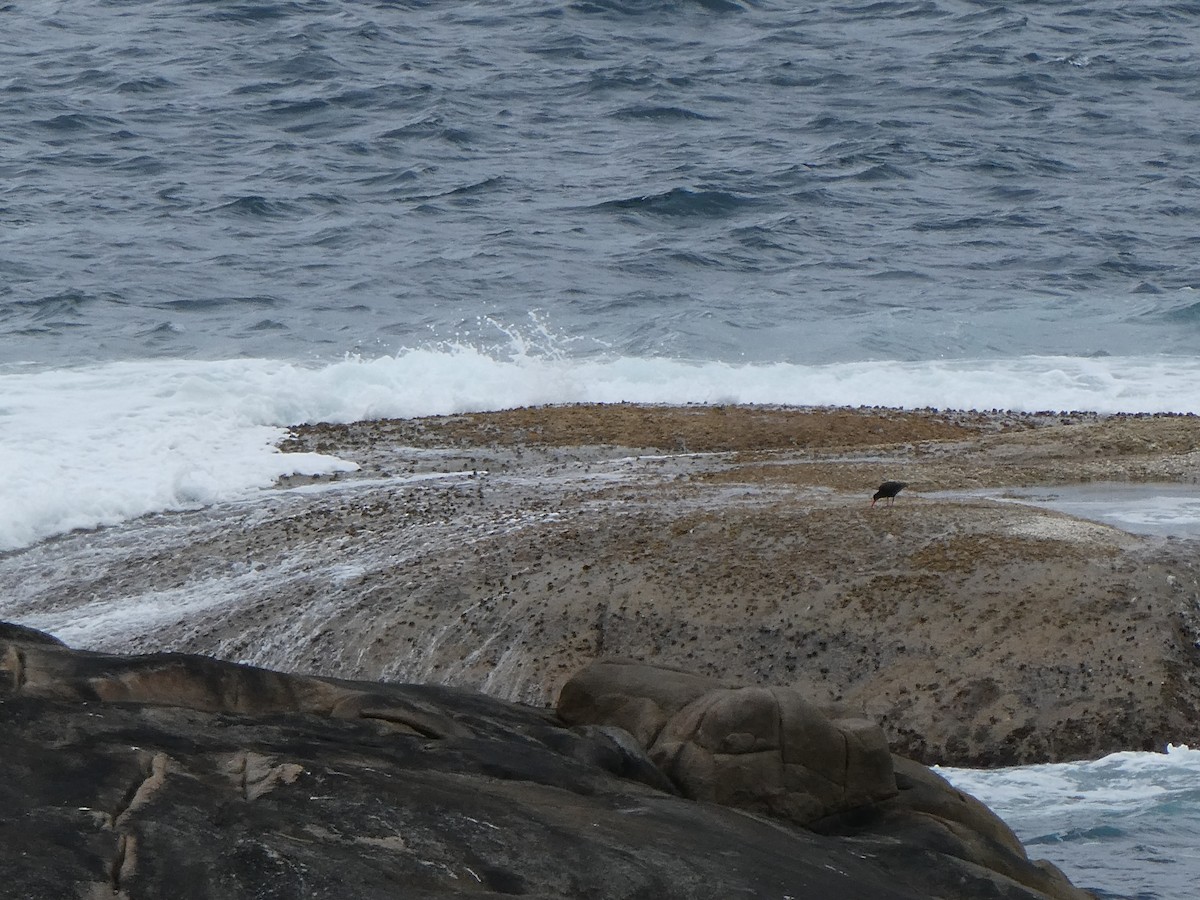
[504, 552]
[449, 713]
[174, 775]
[738, 542]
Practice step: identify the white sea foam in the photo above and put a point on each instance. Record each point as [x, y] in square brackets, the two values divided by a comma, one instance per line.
[1101, 819]
[1120, 783]
[97, 445]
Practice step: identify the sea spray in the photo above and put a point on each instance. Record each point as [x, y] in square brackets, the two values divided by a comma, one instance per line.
[102, 444]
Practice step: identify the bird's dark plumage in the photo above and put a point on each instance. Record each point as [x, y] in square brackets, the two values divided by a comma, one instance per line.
[889, 489]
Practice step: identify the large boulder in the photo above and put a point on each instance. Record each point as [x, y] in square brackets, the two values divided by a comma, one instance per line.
[769, 751]
[637, 697]
[761, 749]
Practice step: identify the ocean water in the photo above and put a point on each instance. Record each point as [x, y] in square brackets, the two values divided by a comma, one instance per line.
[755, 181]
[1123, 826]
[219, 219]
[1161, 509]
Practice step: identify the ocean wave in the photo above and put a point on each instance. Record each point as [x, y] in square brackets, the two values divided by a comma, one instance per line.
[68, 122]
[649, 7]
[1099, 815]
[256, 207]
[202, 304]
[251, 13]
[659, 112]
[892, 8]
[102, 444]
[681, 202]
[69, 304]
[1189, 314]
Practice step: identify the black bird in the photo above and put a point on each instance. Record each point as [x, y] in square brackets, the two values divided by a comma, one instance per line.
[889, 489]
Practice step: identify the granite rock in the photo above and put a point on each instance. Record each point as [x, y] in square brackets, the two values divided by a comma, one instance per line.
[769, 751]
[172, 775]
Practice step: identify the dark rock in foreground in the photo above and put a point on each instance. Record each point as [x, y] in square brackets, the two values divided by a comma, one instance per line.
[180, 776]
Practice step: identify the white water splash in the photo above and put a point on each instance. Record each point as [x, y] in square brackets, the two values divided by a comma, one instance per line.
[103, 444]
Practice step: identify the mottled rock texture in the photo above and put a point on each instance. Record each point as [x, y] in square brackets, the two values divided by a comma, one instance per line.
[179, 776]
[763, 749]
[506, 551]
[768, 750]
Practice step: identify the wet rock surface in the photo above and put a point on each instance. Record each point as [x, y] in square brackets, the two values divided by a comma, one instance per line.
[504, 552]
[172, 775]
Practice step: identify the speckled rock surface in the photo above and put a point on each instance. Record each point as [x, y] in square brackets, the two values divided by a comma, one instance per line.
[504, 552]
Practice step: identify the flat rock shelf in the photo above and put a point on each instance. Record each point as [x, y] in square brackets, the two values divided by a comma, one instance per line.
[505, 551]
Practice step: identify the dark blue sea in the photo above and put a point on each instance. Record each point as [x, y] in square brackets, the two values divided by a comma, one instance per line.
[223, 218]
[807, 183]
